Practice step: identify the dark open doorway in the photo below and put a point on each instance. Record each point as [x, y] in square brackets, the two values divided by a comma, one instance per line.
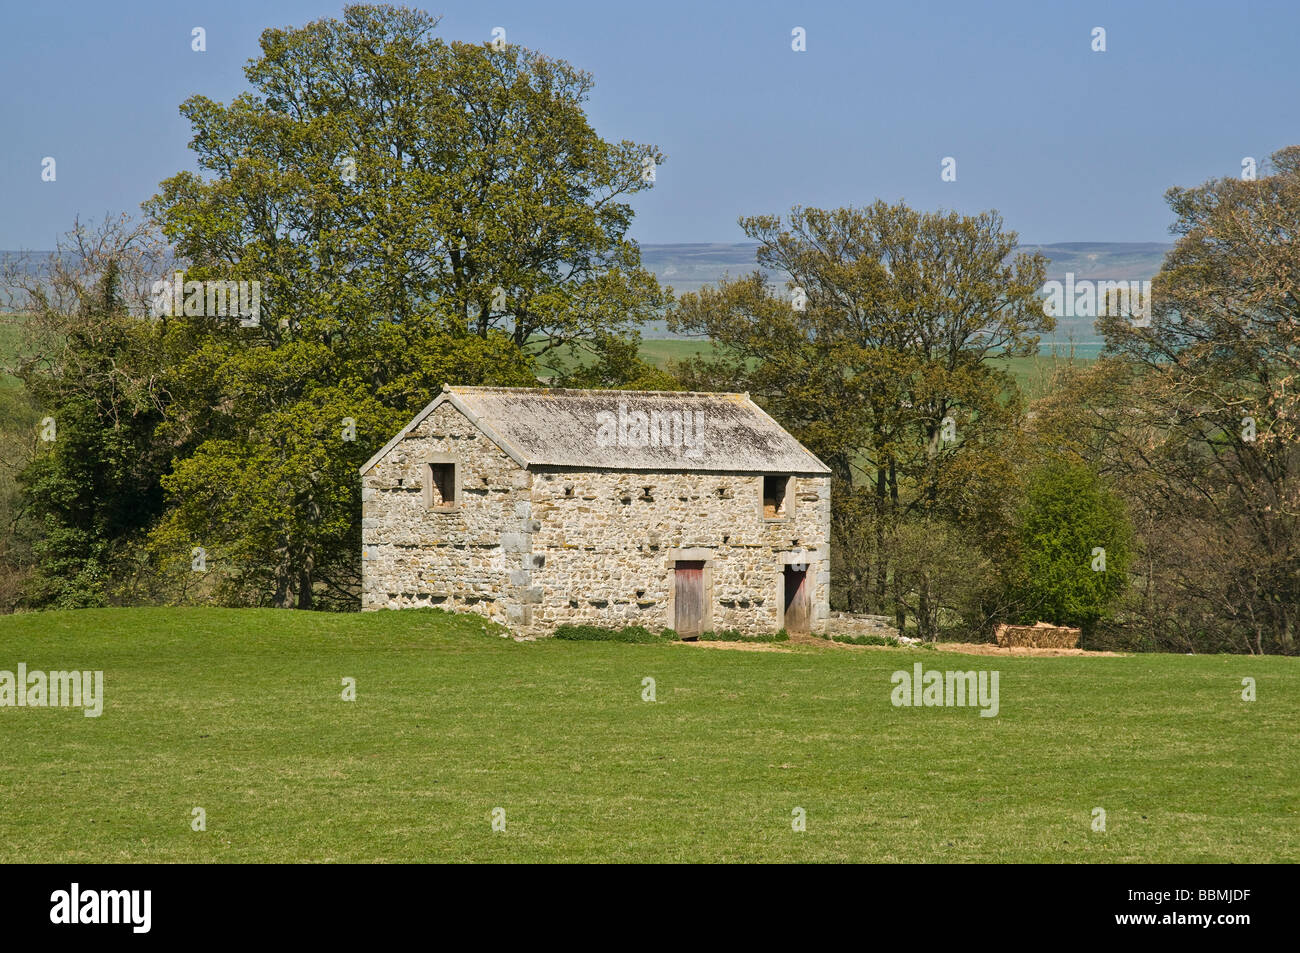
[798, 601]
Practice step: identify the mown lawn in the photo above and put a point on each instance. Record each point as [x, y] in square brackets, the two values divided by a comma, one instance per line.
[240, 713]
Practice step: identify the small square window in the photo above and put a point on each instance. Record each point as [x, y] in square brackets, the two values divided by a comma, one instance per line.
[775, 491]
[440, 488]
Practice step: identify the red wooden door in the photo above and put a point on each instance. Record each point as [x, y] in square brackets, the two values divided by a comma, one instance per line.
[688, 598]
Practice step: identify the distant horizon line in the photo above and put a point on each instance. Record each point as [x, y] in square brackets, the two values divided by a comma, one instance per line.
[1023, 244]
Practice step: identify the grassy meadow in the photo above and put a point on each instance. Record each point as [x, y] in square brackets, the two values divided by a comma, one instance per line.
[240, 712]
[1032, 374]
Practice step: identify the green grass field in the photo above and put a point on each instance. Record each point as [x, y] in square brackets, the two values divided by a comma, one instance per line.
[1032, 374]
[10, 340]
[240, 713]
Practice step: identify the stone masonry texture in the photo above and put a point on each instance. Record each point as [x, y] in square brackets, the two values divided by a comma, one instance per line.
[537, 547]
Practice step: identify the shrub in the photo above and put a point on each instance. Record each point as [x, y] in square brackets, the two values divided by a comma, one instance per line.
[865, 639]
[731, 635]
[595, 633]
[1075, 545]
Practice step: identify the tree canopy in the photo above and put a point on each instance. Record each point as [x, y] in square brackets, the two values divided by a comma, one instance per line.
[877, 354]
[1194, 417]
[406, 213]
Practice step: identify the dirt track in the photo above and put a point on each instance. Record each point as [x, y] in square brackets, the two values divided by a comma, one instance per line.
[988, 648]
[962, 648]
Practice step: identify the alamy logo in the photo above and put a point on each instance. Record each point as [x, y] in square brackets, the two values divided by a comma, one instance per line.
[1091, 299]
[207, 299]
[36, 689]
[103, 906]
[681, 430]
[946, 690]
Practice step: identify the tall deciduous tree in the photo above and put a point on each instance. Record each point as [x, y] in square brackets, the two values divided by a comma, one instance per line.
[94, 375]
[377, 173]
[417, 213]
[1196, 415]
[878, 354]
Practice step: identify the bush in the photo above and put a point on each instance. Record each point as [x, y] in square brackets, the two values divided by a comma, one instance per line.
[865, 639]
[595, 633]
[731, 635]
[1075, 546]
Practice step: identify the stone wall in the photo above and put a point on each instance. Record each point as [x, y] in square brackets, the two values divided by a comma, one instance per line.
[534, 550]
[609, 540]
[414, 556]
[850, 623]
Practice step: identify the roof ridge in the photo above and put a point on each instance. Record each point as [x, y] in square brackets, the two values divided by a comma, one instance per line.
[460, 389]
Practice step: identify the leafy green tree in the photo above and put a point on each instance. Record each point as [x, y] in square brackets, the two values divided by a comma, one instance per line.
[879, 355]
[92, 375]
[272, 496]
[19, 441]
[943, 576]
[417, 213]
[378, 174]
[1194, 413]
[90, 493]
[274, 510]
[1075, 548]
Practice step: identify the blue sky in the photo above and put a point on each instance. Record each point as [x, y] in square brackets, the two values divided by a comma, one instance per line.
[1069, 144]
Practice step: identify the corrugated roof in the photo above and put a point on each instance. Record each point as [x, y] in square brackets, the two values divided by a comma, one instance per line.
[625, 430]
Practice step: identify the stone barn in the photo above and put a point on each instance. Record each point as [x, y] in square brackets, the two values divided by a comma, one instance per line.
[539, 507]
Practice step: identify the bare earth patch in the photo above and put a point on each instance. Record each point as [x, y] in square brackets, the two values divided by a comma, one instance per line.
[963, 648]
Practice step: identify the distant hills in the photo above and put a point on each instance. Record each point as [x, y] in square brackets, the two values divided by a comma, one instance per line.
[689, 266]
[1113, 261]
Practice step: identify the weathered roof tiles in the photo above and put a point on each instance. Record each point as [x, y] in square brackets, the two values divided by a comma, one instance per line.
[625, 430]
